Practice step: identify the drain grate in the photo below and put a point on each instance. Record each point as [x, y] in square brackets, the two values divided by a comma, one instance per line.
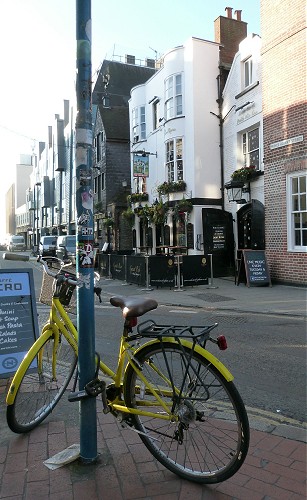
[229, 319]
[213, 297]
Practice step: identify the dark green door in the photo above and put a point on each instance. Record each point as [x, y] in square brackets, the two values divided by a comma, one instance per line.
[250, 219]
[219, 240]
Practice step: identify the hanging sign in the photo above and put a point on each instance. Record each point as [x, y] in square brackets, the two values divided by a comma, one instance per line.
[140, 166]
[18, 318]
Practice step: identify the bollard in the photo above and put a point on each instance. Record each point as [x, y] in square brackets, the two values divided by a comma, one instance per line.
[147, 289]
[178, 289]
[109, 267]
[125, 264]
[211, 272]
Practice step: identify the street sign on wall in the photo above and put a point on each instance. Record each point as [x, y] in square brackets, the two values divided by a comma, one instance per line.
[18, 318]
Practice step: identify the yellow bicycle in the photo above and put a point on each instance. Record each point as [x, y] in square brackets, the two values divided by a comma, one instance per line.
[167, 386]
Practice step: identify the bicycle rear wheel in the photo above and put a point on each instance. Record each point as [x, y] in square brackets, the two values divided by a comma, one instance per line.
[38, 392]
[208, 439]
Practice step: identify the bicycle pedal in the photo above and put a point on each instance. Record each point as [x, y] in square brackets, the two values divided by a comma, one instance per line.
[77, 396]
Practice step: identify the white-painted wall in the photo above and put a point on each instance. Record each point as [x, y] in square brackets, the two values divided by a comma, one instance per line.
[242, 120]
[197, 60]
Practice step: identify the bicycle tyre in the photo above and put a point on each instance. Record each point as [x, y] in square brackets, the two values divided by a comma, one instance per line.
[215, 439]
[38, 394]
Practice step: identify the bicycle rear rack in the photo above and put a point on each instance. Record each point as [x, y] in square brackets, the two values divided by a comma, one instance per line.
[198, 334]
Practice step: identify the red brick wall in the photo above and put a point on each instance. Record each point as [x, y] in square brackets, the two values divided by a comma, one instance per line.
[284, 116]
[229, 32]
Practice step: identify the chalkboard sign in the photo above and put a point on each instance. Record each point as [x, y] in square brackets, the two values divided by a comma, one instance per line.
[256, 268]
[190, 235]
[18, 318]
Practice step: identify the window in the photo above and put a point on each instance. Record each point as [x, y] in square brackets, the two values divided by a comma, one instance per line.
[250, 148]
[174, 160]
[297, 211]
[139, 185]
[138, 124]
[248, 72]
[98, 144]
[173, 96]
[155, 114]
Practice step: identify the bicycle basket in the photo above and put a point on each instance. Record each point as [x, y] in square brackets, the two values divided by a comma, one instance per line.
[67, 292]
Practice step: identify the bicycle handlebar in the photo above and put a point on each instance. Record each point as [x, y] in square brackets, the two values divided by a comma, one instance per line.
[54, 275]
[40, 259]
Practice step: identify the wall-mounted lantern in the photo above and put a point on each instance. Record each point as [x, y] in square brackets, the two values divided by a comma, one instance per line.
[235, 190]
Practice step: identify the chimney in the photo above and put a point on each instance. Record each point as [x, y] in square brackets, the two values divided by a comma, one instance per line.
[238, 14]
[229, 32]
[229, 12]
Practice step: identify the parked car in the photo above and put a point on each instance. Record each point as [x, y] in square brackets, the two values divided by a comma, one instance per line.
[16, 243]
[47, 246]
[66, 248]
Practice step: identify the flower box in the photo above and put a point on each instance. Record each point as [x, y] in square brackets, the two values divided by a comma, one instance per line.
[171, 187]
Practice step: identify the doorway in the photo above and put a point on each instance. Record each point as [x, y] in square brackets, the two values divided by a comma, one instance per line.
[250, 224]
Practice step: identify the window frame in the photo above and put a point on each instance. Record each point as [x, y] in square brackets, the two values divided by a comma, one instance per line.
[138, 120]
[302, 211]
[247, 151]
[174, 166]
[173, 96]
[247, 72]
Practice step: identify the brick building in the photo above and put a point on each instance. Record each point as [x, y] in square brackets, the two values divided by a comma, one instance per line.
[283, 31]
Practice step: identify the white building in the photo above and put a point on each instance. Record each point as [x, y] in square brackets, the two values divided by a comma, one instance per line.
[171, 119]
[243, 142]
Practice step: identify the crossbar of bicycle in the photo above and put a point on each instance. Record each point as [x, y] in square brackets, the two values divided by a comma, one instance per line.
[160, 271]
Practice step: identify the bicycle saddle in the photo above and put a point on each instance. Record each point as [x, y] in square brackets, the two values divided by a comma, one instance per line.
[133, 307]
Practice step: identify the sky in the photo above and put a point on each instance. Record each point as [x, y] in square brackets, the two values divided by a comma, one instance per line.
[38, 55]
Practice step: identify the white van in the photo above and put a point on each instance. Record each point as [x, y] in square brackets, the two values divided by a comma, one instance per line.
[16, 243]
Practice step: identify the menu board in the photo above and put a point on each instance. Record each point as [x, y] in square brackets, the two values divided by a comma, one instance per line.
[256, 268]
[18, 318]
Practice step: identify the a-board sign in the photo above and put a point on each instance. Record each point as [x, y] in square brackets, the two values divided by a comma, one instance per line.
[256, 267]
[18, 318]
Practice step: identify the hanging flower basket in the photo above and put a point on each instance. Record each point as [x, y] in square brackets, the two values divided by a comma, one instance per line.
[244, 174]
[182, 207]
[129, 216]
[109, 222]
[145, 212]
[171, 187]
[160, 211]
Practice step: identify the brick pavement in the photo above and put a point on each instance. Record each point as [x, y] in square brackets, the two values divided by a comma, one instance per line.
[275, 467]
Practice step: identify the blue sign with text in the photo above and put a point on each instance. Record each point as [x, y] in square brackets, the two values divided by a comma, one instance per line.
[18, 318]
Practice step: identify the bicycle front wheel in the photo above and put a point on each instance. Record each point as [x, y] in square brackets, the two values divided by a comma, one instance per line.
[206, 437]
[39, 391]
